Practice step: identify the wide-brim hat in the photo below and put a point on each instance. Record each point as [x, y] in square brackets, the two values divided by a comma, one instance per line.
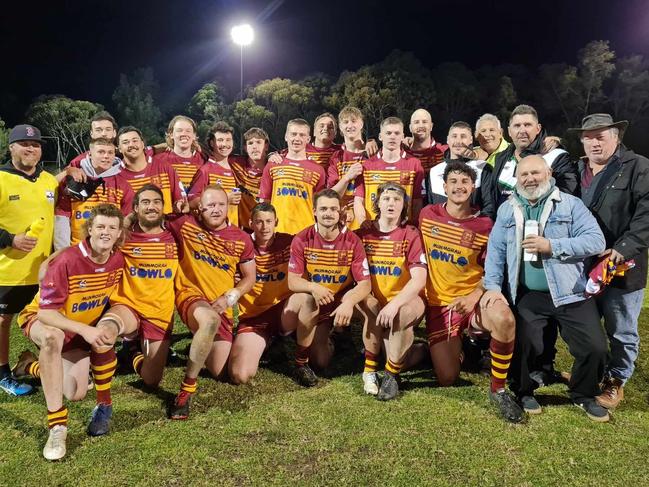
[597, 121]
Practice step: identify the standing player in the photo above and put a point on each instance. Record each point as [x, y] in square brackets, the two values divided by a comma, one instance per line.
[64, 322]
[140, 170]
[398, 274]
[211, 251]
[391, 164]
[248, 170]
[27, 195]
[455, 238]
[290, 185]
[102, 126]
[424, 147]
[76, 200]
[323, 147]
[264, 312]
[346, 165]
[217, 170]
[183, 152]
[325, 259]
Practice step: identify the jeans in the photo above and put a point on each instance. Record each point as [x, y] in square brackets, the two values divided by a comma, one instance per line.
[620, 310]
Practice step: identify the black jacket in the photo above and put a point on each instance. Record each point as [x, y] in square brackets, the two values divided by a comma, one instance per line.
[564, 172]
[622, 211]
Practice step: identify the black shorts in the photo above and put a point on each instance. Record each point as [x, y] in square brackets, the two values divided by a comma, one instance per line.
[14, 298]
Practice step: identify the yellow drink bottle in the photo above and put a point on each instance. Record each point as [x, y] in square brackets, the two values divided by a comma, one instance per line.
[36, 228]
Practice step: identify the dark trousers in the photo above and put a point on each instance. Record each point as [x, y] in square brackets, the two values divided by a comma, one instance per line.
[579, 325]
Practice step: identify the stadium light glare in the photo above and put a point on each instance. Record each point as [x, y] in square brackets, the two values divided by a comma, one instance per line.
[242, 35]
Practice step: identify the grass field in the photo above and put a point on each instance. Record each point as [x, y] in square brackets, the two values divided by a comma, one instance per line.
[273, 432]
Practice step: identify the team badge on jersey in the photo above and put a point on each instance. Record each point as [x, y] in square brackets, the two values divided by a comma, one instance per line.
[467, 238]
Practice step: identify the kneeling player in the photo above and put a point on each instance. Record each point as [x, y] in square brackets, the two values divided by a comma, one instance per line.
[144, 301]
[210, 252]
[398, 275]
[325, 257]
[455, 238]
[265, 311]
[64, 321]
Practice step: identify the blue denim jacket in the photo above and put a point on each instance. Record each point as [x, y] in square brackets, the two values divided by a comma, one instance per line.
[574, 236]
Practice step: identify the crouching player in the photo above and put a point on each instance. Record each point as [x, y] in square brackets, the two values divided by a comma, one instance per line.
[398, 275]
[144, 300]
[455, 238]
[65, 321]
[210, 253]
[325, 257]
[265, 311]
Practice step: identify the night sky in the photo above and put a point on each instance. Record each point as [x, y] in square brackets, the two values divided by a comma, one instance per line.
[79, 48]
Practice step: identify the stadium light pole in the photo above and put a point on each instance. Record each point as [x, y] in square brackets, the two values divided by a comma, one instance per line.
[242, 35]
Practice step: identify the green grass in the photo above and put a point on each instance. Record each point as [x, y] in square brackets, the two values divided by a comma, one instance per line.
[275, 433]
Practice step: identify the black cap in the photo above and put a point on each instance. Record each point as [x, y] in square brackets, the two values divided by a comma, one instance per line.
[25, 132]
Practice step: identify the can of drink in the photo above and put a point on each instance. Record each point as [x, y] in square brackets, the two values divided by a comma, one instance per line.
[531, 228]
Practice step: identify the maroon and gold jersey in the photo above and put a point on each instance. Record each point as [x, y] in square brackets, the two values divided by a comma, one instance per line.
[113, 190]
[455, 252]
[248, 178]
[391, 255]
[214, 173]
[76, 286]
[290, 186]
[208, 258]
[407, 172]
[428, 157]
[185, 167]
[339, 164]
[321, 155]
[271, 285]
[161, 175]
[333, 264]
[151, 264]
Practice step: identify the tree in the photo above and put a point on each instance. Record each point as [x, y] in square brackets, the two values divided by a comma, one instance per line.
[630, 88]
[135, 101]
[458, 92]
[208, 103]
[4, 140]
[66, 119]
[246, 114]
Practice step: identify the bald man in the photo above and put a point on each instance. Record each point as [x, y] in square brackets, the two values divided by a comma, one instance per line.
[422, 145]
[546, 279]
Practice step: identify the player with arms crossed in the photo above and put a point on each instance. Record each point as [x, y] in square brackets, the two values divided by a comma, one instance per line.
[211, 251]
[455, 238]
[65, 321]
[325, 259]
[398, 274]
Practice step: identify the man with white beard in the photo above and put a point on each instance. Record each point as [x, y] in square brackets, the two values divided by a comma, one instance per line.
[546, 279]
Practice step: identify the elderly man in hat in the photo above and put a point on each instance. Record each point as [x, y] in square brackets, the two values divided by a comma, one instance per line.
[27, 196]
[615, 187]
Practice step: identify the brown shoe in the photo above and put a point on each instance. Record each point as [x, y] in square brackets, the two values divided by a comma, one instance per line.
[612, 393]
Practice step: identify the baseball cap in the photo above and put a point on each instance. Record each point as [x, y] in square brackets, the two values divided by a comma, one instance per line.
[25, 132]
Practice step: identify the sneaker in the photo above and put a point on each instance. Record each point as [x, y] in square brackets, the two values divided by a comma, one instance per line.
[509, 410]
[100, 420]
[14, 388]
[24, 359]
[543, 378]
[389, 388]
[371, 383]
[305, 376]
[593, 410]
[180, 407]
[55, 447]
[612, 393]
[530, 405]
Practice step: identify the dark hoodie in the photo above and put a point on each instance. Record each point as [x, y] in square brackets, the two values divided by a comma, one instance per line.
[564, 172]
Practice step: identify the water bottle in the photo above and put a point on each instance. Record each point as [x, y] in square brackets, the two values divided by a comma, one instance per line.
[36, 228]
[531, 228]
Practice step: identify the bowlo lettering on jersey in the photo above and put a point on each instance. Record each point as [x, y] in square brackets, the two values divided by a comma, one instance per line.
[448, 257]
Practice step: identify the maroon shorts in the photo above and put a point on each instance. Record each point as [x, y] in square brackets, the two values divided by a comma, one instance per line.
[443, 324]
[148, 330]
[71, 341]
[225, 329]
[267, 324]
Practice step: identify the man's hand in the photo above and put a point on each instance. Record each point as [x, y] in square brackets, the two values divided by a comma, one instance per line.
[77, 174]
[408, 141]
[342, 315]
[322, 295]
[551, 142]
[220, 304]
[615, 256]
[93, 336]
[465, 304]
[24, 243]
[385, 318]
[354, 171]
[181, 206]
[469, 153]
[234, 197]
[537, 244]
[371, 147]
[275, 158]
[489, 298]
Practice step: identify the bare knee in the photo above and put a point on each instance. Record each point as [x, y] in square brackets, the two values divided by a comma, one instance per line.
[241, 375]
[52, 340]
[446, 377]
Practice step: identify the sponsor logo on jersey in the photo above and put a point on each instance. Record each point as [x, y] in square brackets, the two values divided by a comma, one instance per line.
[88, 305]
[151, 273]
[299, 193]
[271, 277]
[385, 270]
[327, 278]
[448, 257]
[208, 259]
